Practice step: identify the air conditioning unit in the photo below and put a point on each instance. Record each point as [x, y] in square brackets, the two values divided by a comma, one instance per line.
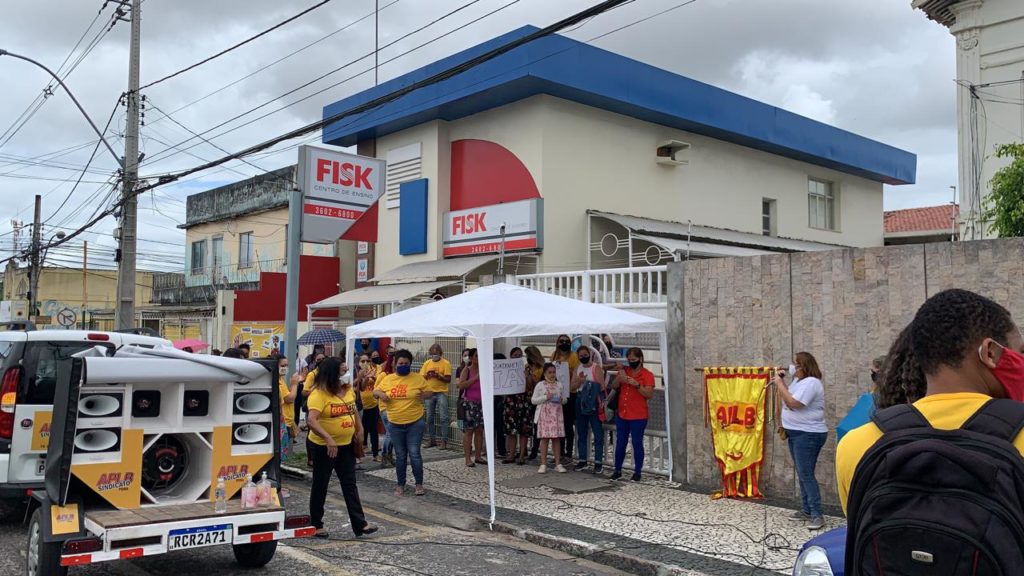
[673, 153]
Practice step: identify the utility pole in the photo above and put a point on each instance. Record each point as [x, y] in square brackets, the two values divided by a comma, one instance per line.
[33, 294]
[85, 281]
[124, 313]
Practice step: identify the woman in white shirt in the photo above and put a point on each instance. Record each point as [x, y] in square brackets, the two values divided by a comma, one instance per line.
[803, 420]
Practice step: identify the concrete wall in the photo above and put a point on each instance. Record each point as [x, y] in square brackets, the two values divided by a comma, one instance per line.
[843, 306]
[585, 158]
[61, 288]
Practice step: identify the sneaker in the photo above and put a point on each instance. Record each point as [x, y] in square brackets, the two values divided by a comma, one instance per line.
[560, 469]
[598, 468]
[800, 515]
[636, 477]
[543, 469]
[816, 523]
[580, 466]
[615, 475]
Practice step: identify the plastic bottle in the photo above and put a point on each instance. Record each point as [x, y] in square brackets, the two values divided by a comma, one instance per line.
[249, 496]
[220, 496]
[264, 491]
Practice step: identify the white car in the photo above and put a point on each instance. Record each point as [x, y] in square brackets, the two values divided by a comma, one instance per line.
[29, 360]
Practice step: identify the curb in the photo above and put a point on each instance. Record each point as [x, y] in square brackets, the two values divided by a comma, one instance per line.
[606, 555]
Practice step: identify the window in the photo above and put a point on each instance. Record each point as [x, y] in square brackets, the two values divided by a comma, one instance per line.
[768, 217]
[216, 249]
[820, 205]
[246, 250]
[198, 256]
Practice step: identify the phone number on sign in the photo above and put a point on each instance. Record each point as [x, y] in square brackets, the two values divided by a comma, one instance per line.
[332, 212]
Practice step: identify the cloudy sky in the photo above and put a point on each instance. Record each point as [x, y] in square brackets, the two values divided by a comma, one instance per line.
[875, 67]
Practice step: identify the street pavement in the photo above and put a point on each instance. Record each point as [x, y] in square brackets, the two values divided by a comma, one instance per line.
[404, 545]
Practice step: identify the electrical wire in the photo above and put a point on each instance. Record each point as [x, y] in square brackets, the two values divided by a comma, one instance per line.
[238, 45]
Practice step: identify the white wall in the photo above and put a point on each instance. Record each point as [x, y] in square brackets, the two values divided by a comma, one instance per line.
[585, 158]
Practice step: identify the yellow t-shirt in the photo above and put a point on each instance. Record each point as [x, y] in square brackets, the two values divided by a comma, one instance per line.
[337, 416]
[308, 386]
[369, 401]
[442, 367]
[404, 404]
[943, 411]
[287, 408]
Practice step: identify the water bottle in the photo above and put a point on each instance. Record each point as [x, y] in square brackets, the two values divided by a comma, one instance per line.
[220, 497]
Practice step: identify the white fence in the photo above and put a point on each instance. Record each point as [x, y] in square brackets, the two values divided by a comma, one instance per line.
[644, 287]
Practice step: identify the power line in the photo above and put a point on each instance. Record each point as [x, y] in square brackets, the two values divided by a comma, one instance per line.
[240, 44]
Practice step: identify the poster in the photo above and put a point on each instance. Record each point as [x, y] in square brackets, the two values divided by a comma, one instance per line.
[262, 338]
[735, 411]
[562, 375]
[362, 270]
[509, 376]
[362, 248]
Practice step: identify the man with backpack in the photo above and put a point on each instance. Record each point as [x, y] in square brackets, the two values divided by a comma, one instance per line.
[937, 486]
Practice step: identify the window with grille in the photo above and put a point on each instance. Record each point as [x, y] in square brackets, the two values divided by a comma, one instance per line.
[198, 256]
[216, 251]
[768, 217]
[246, 250]
[820, 205]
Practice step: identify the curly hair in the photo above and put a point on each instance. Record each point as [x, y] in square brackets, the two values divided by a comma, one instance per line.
[901, 380]
[949, 323]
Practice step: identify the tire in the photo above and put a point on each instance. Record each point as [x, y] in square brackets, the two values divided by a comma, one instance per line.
[42, 558]
[254, 555]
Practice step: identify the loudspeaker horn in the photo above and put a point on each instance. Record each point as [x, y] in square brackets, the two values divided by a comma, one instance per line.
[96, 440]
[252, 403]
[98, 405]
[251, 433]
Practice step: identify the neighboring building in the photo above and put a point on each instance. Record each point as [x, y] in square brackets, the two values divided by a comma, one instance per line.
[592, 160]
[88, 294]
[232, 288]
[990, 97]
[921, 225]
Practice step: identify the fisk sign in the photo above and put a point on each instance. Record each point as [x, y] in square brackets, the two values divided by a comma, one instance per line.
[337, 188]
[478, 230]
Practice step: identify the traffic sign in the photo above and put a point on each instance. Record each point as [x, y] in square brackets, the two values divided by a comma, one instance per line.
[67, 317]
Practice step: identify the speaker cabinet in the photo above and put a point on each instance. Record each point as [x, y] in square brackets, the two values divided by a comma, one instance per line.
[197, 404]
[98, 440]
[100, 405]
[252, 403]
[251, 433]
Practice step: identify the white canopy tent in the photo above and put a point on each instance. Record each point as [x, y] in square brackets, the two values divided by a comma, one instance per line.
[506, 311]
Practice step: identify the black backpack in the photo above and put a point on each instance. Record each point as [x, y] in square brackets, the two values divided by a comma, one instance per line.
[939, 502]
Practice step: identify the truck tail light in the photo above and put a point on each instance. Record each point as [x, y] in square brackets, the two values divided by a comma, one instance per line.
[82, 546]
[98, 337]
[8, 401]
[296, 522]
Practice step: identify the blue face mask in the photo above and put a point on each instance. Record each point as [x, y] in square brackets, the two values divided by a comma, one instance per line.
[403, 370]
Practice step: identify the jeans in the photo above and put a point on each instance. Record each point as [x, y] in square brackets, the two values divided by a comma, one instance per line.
[387, 446]
[344, 466]
[437, 416]
[805, 447]
[623, 430]
[370, 417]
[585, 425]
[406, 439]
[569, 419]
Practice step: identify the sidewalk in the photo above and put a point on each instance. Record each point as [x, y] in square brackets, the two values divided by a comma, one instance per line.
[654, 520]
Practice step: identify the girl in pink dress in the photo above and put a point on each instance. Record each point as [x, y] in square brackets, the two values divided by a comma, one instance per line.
[548, 398]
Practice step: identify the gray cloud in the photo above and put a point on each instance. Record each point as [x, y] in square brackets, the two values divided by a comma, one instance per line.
[875, 67]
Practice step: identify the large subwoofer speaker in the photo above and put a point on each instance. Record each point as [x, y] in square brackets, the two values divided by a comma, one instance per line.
[164, 464]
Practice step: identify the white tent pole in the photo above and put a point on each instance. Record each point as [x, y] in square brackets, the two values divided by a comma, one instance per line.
[485, 353]
[663, 350]
[349, 359]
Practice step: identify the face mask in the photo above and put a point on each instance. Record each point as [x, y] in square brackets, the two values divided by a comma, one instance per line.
[283, 370]
[792, 369]
[435, 357]
[634, 364]
[403, 370]
[378, 361]
[1009, 371]
[584, 360]
[564, 347]
[465, 359]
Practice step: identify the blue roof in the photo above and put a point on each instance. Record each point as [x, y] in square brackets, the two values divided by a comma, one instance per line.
[578, 72]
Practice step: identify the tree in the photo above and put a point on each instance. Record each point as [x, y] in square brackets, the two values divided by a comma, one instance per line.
[1004, 206]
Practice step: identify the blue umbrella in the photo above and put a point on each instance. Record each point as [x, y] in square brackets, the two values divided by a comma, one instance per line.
[321, 336]
[858, 416]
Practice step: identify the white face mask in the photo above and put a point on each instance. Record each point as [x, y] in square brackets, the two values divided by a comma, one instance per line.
[792, 369]
[284, 370]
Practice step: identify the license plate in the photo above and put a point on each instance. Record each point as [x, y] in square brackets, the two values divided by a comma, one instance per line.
[185, 538]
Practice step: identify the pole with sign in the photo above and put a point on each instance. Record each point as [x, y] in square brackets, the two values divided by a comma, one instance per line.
[334, 189]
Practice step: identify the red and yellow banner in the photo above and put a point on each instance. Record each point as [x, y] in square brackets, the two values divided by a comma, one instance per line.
[735, 409]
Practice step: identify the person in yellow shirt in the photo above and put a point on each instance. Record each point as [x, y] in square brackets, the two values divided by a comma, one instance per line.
[438, 373]
[334, 425]
[288, 395]
[564, 353]
[365, 381]
[404, 392]
[968, 351]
